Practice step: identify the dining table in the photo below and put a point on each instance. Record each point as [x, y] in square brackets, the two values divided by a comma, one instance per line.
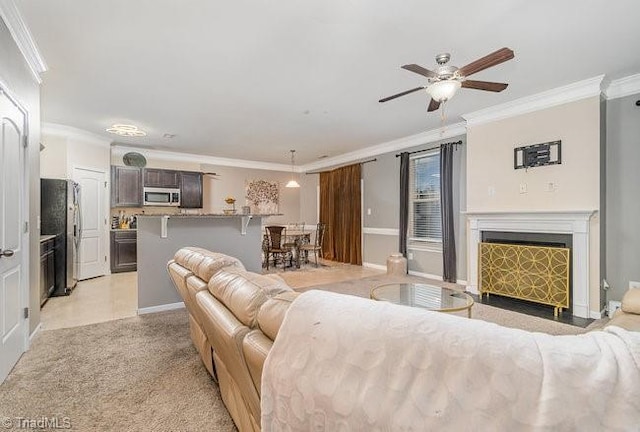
[295, 237]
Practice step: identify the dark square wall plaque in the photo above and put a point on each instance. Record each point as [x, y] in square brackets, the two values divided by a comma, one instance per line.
[536, 155]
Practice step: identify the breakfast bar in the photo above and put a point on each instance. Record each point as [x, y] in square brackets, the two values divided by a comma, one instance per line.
[160, 236]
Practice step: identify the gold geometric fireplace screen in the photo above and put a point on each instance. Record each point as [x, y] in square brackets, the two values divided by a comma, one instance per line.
[535, 273]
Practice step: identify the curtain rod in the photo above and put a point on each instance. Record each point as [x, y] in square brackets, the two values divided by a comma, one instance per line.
[363, 162]
[433, 148]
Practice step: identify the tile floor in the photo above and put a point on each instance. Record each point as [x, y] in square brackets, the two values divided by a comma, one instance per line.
[115, 296]
[95, 300]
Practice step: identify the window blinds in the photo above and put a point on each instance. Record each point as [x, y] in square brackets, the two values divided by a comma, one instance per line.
[425, 224]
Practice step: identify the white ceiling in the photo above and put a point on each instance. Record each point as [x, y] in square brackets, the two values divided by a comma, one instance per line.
[252, 79]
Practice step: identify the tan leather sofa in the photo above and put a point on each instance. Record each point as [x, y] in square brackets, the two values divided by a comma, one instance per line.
[628, 316]
[234, 316]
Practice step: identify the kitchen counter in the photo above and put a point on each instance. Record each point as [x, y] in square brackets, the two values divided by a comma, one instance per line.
[44, 238]
[161, 236]
[209, 215]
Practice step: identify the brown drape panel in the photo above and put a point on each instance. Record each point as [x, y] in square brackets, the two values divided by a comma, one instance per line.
[340, 209]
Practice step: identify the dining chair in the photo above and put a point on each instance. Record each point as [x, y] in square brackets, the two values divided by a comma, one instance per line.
[296, 227]
[316, 247]
[275, 244]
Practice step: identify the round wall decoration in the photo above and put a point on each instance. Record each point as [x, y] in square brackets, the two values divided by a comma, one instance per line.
[134, 159]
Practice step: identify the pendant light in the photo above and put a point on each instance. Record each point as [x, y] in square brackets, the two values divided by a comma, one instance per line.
[292, 183]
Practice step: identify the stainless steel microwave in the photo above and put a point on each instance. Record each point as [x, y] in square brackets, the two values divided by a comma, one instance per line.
[161, 197]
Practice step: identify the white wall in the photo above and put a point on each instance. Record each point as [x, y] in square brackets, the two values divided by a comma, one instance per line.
[494, 185]
[66, 148]
[53, 158]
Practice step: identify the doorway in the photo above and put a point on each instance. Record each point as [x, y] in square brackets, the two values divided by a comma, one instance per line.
[92, 255]
[13, 237]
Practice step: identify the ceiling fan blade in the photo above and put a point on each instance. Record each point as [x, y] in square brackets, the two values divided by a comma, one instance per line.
[388, 98]
[495, 58]
[433, 105]
[484, 85]
[419, 70]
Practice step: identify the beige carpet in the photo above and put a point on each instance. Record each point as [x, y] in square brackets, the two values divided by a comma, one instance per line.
[143, 374]
[134, 374]
[362, 287]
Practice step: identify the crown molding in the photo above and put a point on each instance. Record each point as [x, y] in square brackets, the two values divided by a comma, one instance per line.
[119, 150]
[547, 99]
[65, 131]
[22, 36]
[623, 87]
[389, 146]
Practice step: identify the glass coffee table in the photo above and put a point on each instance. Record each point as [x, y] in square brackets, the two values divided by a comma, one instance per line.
[424, 296]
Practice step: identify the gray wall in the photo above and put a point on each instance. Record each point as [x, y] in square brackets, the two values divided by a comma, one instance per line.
[15, 74]
[220, 234]
[381, 195]
[603, 200]
[622, 196]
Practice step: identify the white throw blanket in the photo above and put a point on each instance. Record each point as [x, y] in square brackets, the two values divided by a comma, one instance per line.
[342, 363]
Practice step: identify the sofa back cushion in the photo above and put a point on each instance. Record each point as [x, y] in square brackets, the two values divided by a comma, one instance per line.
[204, 263]
[243, 292]
[631, 301]
[273, 311]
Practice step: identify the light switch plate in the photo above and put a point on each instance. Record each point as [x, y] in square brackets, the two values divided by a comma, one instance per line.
[613, 307]
[523, 188]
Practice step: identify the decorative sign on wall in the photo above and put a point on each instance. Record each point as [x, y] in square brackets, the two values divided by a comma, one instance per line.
[263, 196]
[536, 155]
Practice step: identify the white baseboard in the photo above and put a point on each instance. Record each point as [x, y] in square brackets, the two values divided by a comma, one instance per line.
[160, 308]
[374, 266]
[435, 277]
[35, 332]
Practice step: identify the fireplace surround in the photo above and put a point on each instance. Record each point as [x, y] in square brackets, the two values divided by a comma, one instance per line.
[574, 223]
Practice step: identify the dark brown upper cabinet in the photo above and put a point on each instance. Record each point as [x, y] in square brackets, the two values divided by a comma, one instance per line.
[190, 189]
[126, 186]
[161, 178]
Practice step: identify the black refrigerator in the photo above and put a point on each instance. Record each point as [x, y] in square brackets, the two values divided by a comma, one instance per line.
[60, 216]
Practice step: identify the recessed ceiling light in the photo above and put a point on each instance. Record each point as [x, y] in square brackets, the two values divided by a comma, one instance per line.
[126, 130]
[169, 136]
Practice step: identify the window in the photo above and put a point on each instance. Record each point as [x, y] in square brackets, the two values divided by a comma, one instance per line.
[425, 223]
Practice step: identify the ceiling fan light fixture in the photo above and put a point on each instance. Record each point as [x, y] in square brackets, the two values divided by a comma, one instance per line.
[441, 91]
[292, 183]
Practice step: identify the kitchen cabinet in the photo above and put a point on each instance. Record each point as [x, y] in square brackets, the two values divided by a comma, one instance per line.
[124, 251]
[190, 189]
[126, 186]
[47, 269]
[161, 178]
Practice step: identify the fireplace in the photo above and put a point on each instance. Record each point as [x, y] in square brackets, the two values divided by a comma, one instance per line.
[535, 267]
[570, 229]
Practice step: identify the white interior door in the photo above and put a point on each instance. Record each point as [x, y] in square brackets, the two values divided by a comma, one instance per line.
[13, 324]
[91, 251]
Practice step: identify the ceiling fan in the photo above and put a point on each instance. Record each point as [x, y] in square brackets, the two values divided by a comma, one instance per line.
[445, 80]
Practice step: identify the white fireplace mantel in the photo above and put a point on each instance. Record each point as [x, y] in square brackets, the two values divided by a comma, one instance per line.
[574, 222]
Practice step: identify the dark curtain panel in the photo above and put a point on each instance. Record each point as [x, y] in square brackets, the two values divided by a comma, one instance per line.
[404, 202]
[326, 213]
[446, 201]
[341, 210]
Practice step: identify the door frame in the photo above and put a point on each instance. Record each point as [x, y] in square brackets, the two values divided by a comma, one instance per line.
[24, 195]
[106, 212]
